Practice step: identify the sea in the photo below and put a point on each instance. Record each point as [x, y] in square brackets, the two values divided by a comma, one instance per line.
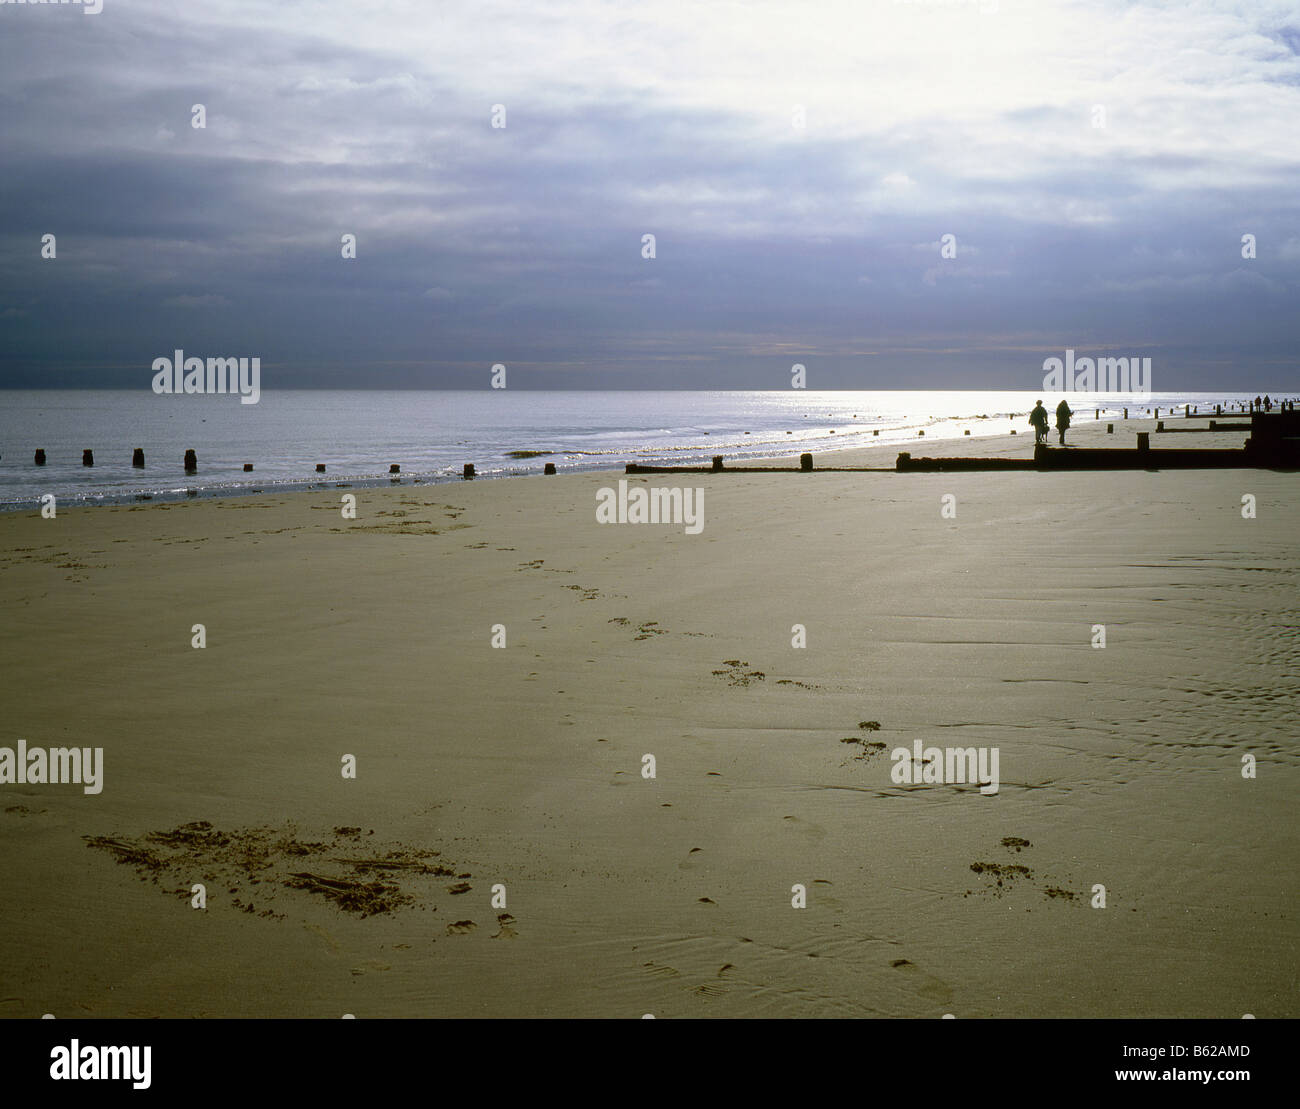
[359, 434]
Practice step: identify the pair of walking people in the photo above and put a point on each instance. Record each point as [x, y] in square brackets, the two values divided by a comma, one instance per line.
[1038, 417]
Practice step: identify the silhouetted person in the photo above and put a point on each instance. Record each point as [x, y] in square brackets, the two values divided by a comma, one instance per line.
[1063, 415]
[1258, 403]
[1038, 417]
[1268, 404]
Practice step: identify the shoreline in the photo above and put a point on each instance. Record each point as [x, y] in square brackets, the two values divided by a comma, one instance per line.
[523, 767]
[988, 444]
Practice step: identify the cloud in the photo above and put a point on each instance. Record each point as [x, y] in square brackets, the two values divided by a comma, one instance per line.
[663, 118]
[1289, 251]
[200, 300]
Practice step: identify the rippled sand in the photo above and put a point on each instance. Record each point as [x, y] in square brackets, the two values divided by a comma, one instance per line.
[524, 767]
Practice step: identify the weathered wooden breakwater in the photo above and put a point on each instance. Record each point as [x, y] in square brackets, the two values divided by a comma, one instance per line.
[1274, 443]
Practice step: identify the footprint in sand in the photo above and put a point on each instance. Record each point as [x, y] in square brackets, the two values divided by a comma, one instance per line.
[1003, 878]
[926, 985]
[736, 673]
[461, 928]
[324, 935]
[824, 899]
[22, 812]
[369, 965]
[505, 922]
[815, 831]
[690, 861]
[658, 970]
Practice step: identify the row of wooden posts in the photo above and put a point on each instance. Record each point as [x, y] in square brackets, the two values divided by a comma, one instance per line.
[192, 463]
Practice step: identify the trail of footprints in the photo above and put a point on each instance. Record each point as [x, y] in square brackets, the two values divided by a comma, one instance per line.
[253, 866]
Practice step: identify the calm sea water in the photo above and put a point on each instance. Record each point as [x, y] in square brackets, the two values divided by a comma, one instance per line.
[358, 433]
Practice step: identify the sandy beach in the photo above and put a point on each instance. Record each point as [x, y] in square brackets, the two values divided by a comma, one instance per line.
[501, 852]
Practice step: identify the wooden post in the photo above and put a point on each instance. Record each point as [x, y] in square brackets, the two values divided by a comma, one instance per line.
[966, 432]
[1144, 440]
[394, 469]
[191, 461]
[1160, 425]
[87, 458]
[248, 467]
[875, 431]
[40, 458]
[920, 433]
[1126, 413]
[549, 468]
[137, 457]
[1110, 429]
[1218, 410]
[805, 463]
[320, 467]
[1157, 415]
[717, 463]
[468, 471]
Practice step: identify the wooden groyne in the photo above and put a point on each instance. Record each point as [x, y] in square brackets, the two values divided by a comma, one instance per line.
[907, 464]
[1274, 444]
[1139, 458]
[1215, 425]
[638, 468]
[1086, 458]
[1275, 439]
[190, 463]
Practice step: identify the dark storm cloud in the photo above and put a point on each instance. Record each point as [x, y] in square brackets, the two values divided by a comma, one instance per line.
[774, 244]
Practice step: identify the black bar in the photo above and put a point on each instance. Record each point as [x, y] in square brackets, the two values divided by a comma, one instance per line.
[339, 1057]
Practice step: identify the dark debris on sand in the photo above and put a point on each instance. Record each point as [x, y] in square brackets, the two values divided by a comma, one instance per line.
[346, 868]
[736, 674]
[1007, 876]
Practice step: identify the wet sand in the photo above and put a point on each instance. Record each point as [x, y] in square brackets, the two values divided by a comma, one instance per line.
[522, 767]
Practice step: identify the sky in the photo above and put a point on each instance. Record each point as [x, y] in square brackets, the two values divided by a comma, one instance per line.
[895, 195]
